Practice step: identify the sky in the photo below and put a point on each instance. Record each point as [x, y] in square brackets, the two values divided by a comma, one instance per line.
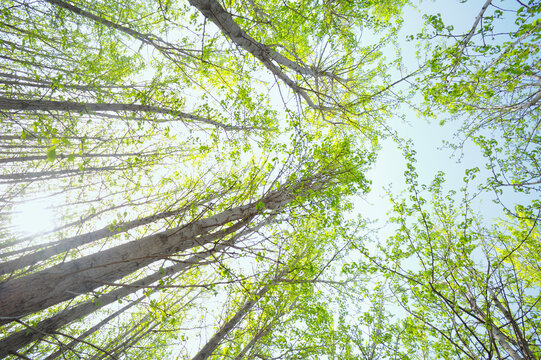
[389, 168]
[427, 137]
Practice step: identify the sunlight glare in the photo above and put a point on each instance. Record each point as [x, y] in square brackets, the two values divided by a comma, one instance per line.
[32, 217]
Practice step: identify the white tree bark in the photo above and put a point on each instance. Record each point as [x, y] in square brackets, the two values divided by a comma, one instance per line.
[76, 241]
[38, 291]
[50, 105]
[213, 11]
[48, 326]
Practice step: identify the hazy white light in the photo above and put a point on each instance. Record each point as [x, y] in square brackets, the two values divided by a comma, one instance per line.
[32, 217]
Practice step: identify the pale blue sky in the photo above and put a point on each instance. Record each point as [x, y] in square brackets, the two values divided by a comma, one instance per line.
[427, 137]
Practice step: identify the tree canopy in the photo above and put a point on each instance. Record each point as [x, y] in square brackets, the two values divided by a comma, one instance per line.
[200, 167]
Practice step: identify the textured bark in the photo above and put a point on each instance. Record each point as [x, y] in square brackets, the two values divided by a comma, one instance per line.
[48, 105]
[38, 291]
[35, 292]
[76, 241]
[48, 326]
[213, 11]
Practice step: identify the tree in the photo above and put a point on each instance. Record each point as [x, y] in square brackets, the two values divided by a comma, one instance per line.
[491, 76]
[153, 136]
[202, 159]
[462, 291]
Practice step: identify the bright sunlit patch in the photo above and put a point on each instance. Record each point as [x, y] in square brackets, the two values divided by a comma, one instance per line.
[32, 217]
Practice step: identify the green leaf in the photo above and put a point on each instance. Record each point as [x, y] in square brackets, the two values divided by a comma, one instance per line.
[260, 206]
[51, 153]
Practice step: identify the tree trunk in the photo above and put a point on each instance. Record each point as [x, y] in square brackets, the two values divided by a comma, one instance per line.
[52, 174]
[50, 105]
[76, 241]
[48, 326]
[35, 292]
[38, 291]
[218, 337]
[213, 11]
[26, 158]
[265, 329]
[92, 330]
